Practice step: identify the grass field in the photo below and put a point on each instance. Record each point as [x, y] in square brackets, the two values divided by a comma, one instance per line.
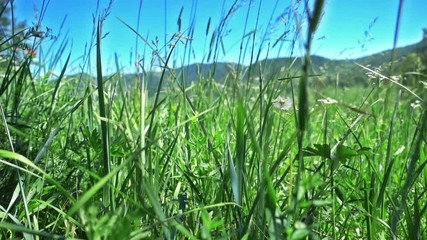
[250, 158]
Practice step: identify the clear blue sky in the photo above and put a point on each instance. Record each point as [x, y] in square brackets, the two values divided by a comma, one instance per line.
[344, 28]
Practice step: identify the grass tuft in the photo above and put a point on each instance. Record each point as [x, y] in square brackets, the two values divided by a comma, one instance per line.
[265, 148]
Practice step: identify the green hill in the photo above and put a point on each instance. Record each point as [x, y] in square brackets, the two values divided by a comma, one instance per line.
[328, 71]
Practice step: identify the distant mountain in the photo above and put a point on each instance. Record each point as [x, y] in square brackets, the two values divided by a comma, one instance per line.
[346, 70]
[385, 56]
[329, 71]
[217, 71]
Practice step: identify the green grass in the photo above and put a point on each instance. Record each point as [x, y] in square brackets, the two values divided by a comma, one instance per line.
[96, 159]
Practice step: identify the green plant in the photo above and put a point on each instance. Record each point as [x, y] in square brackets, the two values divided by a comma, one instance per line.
[254, 155]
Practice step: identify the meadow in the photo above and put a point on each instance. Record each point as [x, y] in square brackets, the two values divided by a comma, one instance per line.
[284, 155]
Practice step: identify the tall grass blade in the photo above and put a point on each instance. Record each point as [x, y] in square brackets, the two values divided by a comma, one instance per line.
[233, 175]
[32, 233]
[303, 98]
[58, 83]
[240, 150]
[48, 143]
[102, 112]
[142, 164]
[389, 162]
[155, 203]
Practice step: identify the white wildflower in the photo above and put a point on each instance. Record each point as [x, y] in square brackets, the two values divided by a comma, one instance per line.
[399, 151]
[375, 74]
[370, 75]
[358, 232]
[282, 103]
[416, 104]
[395, 78]
[327, 101]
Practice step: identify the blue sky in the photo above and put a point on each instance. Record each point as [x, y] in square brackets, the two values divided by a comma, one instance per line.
[346, 26]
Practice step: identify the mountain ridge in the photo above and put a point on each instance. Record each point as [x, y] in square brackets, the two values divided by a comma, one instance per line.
[277, 65]
[282, 67]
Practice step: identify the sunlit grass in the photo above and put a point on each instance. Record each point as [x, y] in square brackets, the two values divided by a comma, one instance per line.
[251, 156]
